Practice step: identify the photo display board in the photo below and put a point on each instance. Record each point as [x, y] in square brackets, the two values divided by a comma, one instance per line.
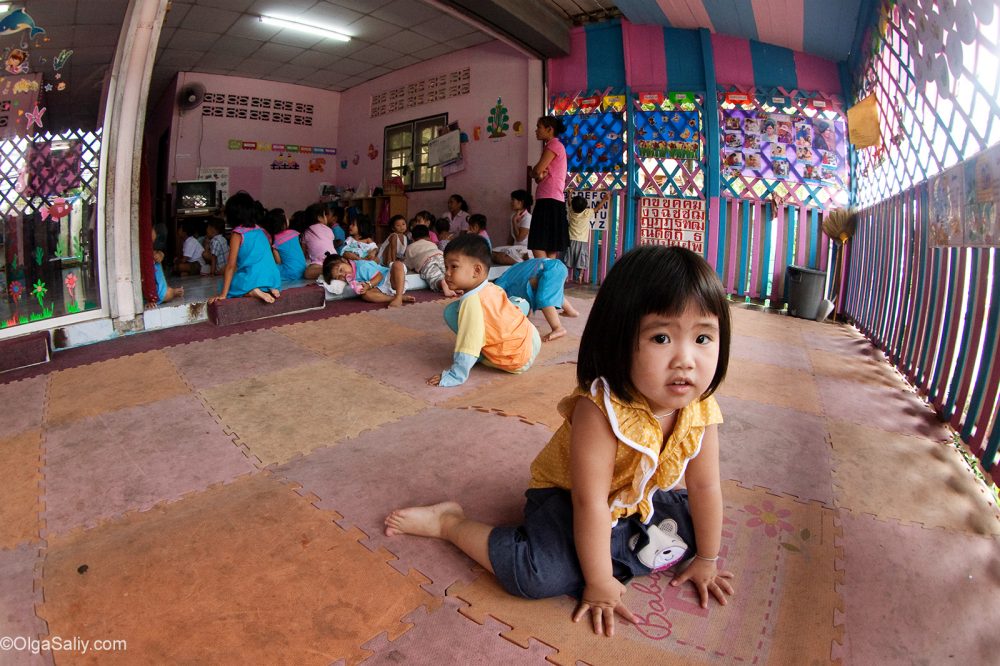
[963, 203]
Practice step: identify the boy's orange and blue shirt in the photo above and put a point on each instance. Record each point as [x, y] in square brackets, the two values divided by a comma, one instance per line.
[491, 327]
[645, 460]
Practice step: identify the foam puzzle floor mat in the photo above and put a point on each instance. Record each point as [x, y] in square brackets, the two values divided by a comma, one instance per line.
[222, 500]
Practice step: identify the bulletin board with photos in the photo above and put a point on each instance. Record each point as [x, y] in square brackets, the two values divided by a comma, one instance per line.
[784, 144]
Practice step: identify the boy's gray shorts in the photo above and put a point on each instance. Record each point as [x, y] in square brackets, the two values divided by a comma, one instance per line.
[538, 559]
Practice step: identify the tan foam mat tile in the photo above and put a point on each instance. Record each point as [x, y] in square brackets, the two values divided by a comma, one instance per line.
[24, 405]
[349, 334]
[20, 492]
[294, 411]
[532, 396]
[783, 554]
[771, 384]
[250, 573]
[910, 479]
[102, 387]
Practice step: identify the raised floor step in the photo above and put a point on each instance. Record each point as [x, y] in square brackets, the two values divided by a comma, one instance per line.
[237, 310]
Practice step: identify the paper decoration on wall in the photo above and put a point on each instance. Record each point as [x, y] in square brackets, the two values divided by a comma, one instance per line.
[60, 60]
[594, 141]
[34, 117]
[59, 209]
[316, 164]
[372, 151]
[71, 285]
[518, 128]
[283, 162]
[650, 101]
[862, 123]
[679, 222]
[39, 292]
[240, 144]
[476, 132]
[614, 103]
[19, 20]
[16, 61]
[356, 159]
[672, 134]
[497, 125]
[343, 164]
[964, 201]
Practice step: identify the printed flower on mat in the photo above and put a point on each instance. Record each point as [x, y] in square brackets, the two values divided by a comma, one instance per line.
[770, 518]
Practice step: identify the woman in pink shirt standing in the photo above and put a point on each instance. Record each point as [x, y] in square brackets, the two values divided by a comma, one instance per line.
[549, 234]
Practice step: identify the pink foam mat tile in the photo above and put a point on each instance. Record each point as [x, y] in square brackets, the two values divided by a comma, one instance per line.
[221, 360]
[880, 407]
[423, 317]
[19, 593]
[477, 459]
[445, 636]
[763, 350]
[133, 459]
[918, 596]
[24, 404]
[408, 365]
[771, 384]
[361, 333]
[784, 450]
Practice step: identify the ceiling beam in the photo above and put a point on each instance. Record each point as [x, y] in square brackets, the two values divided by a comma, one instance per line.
[530, 23]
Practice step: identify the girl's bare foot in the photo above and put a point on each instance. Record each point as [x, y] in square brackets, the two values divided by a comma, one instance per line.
[569, 310]
[429, 521]
[555, 334]
[409, 299]
[262, 295]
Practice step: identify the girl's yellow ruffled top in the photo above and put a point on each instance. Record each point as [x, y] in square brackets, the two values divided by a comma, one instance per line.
[644, 462]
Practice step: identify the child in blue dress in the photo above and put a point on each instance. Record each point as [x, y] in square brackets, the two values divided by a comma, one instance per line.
[250, 270]
[602, 505]
[164, 293]
[540, 282]
[288, 252]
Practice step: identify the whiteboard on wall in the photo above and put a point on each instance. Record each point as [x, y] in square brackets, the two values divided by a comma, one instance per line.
[445, 148]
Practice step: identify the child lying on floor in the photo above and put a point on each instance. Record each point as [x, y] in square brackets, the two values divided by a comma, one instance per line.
[423, 257]
[601, 506]
[373, 283]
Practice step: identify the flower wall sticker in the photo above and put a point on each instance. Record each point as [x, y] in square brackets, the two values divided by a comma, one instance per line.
[34, 117]
[39, 293]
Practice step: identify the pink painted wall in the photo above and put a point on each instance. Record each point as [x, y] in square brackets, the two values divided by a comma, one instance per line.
[494, 167]
[197, 140]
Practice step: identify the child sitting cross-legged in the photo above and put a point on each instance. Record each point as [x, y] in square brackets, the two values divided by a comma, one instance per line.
[489, 326]
[423, 257]
[373, 283]
[602, 505]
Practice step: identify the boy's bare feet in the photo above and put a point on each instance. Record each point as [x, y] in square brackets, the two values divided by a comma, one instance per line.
[569, 310]
[262, 295]
[429, 521]
[555, 334]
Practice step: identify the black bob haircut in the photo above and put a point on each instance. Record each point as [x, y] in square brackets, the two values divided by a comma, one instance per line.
[420, 231]
[651, 279]
[329, 261]
[473, 246]
[242, 210]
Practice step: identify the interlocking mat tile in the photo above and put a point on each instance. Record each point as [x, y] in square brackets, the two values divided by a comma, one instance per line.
[18, 595]
[891, 409]
[24, 404]
[20, 492]
[953, 579]
[783, 555]
[782, 449]
[134, 458]
[408, 365]
[248, 573]
[479, 460]
[779, 328]
[350, 334]
[223, 360]
[446, 637]
[425, 317]
[533, 395]
[109, 385]
[281, 414]
[911, 479]
[762, 350]
[771, 384]
[855, 368]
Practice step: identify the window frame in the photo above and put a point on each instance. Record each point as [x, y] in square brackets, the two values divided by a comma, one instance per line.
[418, 151]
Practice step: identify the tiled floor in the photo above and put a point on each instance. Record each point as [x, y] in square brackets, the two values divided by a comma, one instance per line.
[219, 500]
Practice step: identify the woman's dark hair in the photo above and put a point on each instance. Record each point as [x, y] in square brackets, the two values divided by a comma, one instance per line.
[461, 202]
[442, 225]
[365, 227]
[472, 246]
[523, 197]
[420, 231]
[651, 279]
[275, 221]
[329, 262]
[242, 211]
[553, 123]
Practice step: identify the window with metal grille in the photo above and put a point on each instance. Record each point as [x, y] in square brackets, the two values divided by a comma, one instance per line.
[406, 153]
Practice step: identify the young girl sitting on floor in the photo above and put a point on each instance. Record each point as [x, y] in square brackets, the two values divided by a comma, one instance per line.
[540, 282]
[601, 507]
[373, 283]
[359, 244]
[520, 226]
[320, 237]
[287, 249]
[394, 246]
[250, 269]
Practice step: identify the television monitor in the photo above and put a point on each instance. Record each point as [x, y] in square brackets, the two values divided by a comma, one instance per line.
[195, 196]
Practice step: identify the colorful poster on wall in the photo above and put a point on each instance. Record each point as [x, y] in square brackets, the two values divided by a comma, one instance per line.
[796, 148]
[598, 200]
[594, 141]
[668, 134]
[964, 203]
[679, 222]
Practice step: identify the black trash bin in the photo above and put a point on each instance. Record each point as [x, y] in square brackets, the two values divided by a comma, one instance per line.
[805, 291]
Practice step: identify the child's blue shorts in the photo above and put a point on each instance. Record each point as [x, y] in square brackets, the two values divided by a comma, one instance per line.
[538, 559]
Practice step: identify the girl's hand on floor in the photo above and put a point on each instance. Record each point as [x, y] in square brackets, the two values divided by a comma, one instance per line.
[706, 579]
[603, 600]
[435, 380]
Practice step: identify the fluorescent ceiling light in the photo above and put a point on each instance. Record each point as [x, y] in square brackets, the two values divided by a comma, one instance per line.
[305, 27]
